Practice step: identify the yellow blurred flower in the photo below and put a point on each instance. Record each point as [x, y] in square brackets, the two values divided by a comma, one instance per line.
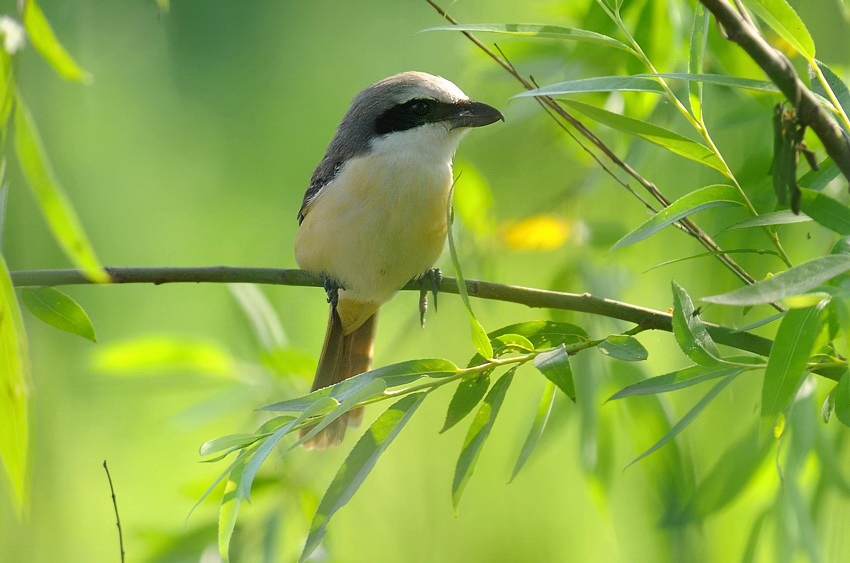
[538, 232]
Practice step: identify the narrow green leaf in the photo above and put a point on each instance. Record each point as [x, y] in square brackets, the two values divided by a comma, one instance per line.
[838, 401]
[794, 281]
[537, 427]
[838, 87]
[699, 33]
[58, 310]
[479, 335]
[597, 84]
[545, 334]
[818, 179]
[479, 430]
[504, 344]
[658, 135]
[7, 93]
[713, 253]
[555, 365]
[393, 375]
[369, 391]
[230, 501]
[786, 366]
[826, 210]
[358, 464]
[230, 441]
[473, 200]
[691, 335]
[675, 380]
[703, 198]
[784, 217]
[45, 42]
[724, 483]
[718, 80]
[539, 30]
[623, 347]
[785, 21]
[4, 192]
[263, 450]
[468, 394]
[688, 418]
[164, 354]
[51, 197]
[260, 313]
[14, 398]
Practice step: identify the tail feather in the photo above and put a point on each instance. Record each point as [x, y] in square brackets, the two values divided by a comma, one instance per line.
[343, 356]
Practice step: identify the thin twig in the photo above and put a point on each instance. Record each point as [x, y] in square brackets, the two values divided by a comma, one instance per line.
[115, 505]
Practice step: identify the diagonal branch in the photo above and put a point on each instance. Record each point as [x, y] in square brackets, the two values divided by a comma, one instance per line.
[781, 72]
[537, 298]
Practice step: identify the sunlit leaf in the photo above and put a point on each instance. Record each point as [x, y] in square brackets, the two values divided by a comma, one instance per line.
[58, 310]
[784, 21]
[826, 210]
[688, 418]
[51, 197]
[358, 464]
[838, 87]
[676, 380]
[623, 347]
[698, 200]
[14, 399]
[229, 510]
[818, 179]
[537, 427]
[468, 394]
[794, 281]
[699, 34]
[719, 80]
[654, 134]
[545, 334]
[393, 375]
[479, 335]
[228, 442]
[539, 30]
[838, 401]
[691, 335]
[784, 217]
[164, 354]
[44, 40]
[597, 84]
[712, 253]
[535, 233]
[786, 366]
[555, 366]
[479, 430]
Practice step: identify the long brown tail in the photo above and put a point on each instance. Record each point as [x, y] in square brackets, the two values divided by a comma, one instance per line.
[343, 356]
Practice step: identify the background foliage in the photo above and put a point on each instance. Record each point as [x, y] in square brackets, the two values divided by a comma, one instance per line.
[192, 145]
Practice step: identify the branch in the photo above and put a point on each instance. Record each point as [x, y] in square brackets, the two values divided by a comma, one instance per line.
[538, 298]
[780, 71]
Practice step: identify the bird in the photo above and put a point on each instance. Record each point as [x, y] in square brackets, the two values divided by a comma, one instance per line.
[374, 216]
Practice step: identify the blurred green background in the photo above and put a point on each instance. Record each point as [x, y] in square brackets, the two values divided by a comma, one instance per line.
[193, 146]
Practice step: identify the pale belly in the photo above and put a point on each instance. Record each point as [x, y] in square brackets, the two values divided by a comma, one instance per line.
[376, 227]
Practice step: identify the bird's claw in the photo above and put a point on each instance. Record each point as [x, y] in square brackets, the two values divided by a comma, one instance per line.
[332, 289]
[433, 276]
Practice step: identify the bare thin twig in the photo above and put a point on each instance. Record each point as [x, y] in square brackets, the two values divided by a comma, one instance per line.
[115, 505]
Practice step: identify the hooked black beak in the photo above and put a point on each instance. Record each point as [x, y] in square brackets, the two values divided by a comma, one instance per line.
[473, 114]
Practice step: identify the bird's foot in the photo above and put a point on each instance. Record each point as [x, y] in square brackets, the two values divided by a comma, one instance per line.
[332, 289]
[429, 280]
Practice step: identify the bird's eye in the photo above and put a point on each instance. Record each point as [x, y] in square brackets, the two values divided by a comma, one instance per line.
[420, 107]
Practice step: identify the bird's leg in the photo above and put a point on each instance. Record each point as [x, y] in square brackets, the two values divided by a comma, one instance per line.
[432, 278]
[332, 289]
